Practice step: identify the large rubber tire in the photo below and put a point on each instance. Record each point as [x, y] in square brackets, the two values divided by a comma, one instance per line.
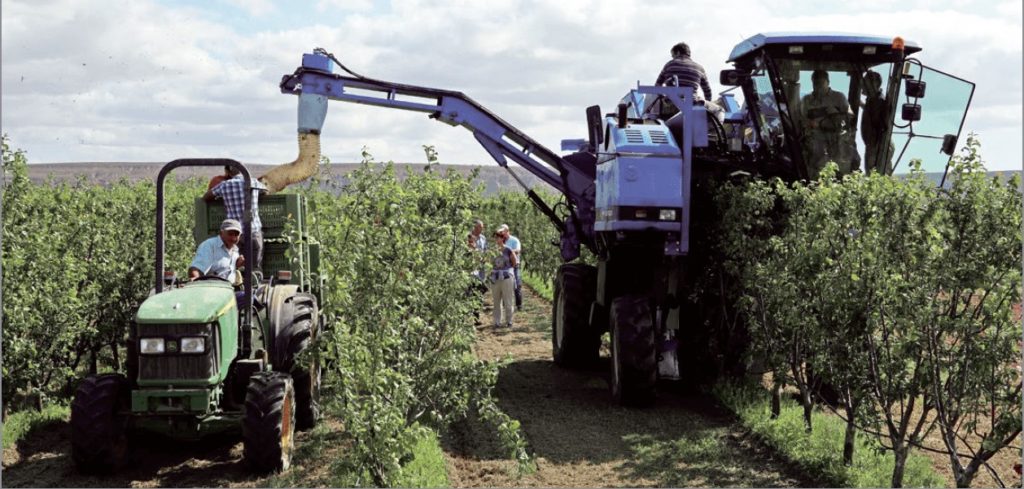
[99, 423]
[268, 425]
[634, 355]
[574, 344]
[295, 333]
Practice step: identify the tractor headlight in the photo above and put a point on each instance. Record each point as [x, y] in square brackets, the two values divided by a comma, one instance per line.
[151, 346]
[667, 215]
[193, 345]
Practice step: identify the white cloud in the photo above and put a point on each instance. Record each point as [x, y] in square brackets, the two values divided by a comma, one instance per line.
[347, 5]
[255, 8]
[133, 80]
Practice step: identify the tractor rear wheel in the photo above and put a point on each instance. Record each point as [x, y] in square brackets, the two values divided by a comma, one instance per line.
[99, 423]
[634, 355]
[268, 425]
[297, 328]
[573, 343]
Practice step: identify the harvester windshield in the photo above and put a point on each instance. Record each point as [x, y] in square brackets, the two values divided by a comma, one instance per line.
[856, 100]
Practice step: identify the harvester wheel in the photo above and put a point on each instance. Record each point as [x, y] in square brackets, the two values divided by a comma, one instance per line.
[268, 427]
[99, 423]
[634, 355]
[299, 325]
[573, 343]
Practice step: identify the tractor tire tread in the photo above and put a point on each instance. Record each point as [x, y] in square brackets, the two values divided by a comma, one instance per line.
[263, 421]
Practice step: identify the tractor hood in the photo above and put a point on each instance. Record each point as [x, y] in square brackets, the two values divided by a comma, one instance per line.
[201, 302]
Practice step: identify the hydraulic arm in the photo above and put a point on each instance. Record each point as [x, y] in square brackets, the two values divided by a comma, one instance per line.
[315, 84]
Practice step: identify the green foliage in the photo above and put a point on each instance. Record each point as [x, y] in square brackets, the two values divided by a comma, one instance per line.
[820, 452]
[19, 424]
[541, 285]
[427, 467]
[399, 336]
[901, 295]
[77, 261]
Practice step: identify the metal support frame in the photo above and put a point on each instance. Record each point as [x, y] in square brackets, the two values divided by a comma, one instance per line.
[246, 222]
[682, 97]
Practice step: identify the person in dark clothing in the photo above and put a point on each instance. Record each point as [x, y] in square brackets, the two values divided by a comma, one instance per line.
[873, 124]
[688, 72]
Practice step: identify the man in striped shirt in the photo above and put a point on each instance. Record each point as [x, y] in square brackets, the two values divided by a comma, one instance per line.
[688, 72]
[232, 191]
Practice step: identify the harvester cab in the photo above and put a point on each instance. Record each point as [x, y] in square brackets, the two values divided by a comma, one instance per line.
[207, 356]
[878, 94]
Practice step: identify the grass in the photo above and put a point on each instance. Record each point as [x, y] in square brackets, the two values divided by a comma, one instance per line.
[320, 461]
[20, 423]
[821, 452]
[540, 284]
[427, 467]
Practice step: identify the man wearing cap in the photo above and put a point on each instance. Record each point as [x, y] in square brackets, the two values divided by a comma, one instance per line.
[232, 191]
[512, 243]
[219, 255]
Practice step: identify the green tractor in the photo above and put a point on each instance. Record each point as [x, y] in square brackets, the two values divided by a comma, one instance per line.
[204, 358]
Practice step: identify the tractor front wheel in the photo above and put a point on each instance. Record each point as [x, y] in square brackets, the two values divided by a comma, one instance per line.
[268, 426]
[99, 423]
[634, 355]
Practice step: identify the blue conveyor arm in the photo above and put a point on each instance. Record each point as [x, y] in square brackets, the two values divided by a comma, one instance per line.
[315, 84]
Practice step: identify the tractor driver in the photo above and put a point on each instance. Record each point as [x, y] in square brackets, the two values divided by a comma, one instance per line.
[219, 256]
[826, 114]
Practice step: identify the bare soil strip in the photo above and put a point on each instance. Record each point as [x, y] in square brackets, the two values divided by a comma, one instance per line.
[581, 439]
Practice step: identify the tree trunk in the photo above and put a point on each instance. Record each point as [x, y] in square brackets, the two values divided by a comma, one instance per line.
[94, 361]
[805, 395]
[900, 452]
[965, 478]
[851, 434]
[776, 399]
[117, 356]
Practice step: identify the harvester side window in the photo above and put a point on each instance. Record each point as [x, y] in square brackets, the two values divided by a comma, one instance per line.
[767, 108]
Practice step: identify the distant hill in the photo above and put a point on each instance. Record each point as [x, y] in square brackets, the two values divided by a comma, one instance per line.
[493, 178]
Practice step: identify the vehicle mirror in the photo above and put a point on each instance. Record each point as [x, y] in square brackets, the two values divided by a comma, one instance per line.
[730, 78]
[594, 126]
[949, 144]
[915, 88]
[911, 112]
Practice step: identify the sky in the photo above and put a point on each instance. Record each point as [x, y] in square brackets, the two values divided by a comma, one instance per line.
[156, 80]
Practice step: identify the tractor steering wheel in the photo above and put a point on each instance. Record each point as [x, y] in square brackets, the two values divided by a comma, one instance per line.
[211, 277]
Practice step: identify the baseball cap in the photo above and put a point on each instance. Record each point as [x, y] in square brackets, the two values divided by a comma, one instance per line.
[231, 225]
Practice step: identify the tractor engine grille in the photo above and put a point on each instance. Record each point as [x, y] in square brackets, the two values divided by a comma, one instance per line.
[180, 366]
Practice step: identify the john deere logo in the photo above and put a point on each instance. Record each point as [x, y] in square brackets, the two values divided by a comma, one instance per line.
[172, 346]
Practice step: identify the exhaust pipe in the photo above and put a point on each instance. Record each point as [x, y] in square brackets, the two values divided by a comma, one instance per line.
[312, 112]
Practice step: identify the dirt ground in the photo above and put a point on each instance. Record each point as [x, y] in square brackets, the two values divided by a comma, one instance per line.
[581, 439]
